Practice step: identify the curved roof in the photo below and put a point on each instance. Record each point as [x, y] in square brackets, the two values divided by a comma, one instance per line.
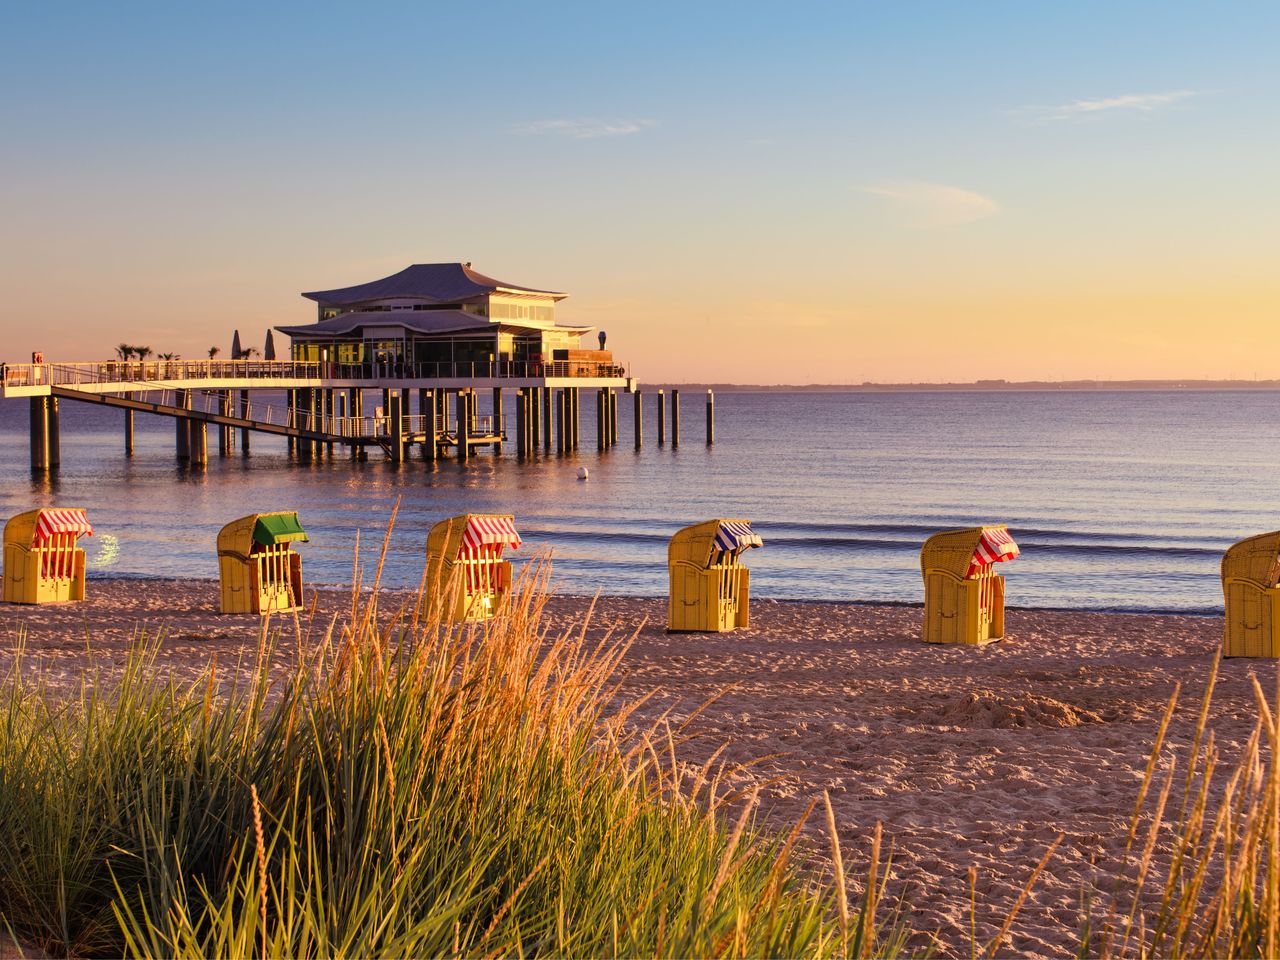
[438, 282]
[423, 321]
[419, 321]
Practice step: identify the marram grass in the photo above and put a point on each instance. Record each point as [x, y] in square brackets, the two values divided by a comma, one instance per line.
[415, 788]
[410, 788]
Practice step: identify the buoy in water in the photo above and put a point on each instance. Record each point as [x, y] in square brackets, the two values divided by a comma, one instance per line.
[582, 473]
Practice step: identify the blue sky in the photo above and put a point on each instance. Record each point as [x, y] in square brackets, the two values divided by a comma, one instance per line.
[746, 181]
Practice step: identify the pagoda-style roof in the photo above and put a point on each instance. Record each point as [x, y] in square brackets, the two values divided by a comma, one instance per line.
[433, 282]
[419, 321]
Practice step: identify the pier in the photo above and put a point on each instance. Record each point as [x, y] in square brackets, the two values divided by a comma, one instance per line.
[395, 365]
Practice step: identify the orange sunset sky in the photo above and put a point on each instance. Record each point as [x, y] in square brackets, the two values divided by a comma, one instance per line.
[747, 193]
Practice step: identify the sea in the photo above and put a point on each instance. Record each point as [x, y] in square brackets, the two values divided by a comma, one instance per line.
[1120, 501]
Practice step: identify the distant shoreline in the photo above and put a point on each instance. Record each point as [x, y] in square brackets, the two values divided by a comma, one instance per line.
[977, 386]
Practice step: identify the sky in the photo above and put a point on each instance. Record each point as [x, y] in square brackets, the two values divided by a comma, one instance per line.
[736, 192]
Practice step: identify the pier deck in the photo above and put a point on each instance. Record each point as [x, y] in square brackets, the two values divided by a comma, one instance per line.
[323, 405]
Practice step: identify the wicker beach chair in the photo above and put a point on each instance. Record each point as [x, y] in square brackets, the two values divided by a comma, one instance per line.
[42, 560]
[469, 547]
[258, 570]
[963, 596]
[1251, 592]
[710, 587]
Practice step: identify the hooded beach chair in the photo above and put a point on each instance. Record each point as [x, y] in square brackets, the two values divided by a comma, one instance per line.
[710, 587]
[963, 595]
[1251, 591]
[42, 563]
[469, 547]
[258, 568]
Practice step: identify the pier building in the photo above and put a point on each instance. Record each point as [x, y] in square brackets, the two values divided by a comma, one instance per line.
[395, 364]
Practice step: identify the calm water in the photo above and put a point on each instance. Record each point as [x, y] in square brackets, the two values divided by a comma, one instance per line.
[1120, 501]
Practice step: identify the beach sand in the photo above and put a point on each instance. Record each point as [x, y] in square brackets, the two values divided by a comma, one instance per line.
[969, 757]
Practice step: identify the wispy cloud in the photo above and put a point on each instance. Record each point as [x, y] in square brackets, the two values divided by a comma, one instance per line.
[929, 205]
[585, 129]
[1125, 103]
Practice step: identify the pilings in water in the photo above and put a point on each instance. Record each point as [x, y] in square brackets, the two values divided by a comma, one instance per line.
[662, 418]
[395, 425]
[463, 427]
[182, 428]
[711, 418]
[198, 442]
[226, 436]
[46, 434]
[612, 395]
[430, 425]
[128, 429]
[675, 419]
[546, 418]
[497, 418]
[602, 435]
[639, 419]
[244, 415]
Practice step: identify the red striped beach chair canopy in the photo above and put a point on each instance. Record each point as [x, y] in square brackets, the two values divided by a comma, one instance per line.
[994, 546]
[493, 531]
[53, 522]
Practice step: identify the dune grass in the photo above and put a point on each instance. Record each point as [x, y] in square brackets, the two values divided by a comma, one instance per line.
[1218, 892]
[415, 787]
[410, 787]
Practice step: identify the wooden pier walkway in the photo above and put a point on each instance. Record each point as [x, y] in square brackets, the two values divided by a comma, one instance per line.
[323, 405]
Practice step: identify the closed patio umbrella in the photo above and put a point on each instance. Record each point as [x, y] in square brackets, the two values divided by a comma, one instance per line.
[235, 346]
[269, 348]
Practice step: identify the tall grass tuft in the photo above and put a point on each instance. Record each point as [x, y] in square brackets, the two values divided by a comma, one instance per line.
[1219, 894]
[410, 787]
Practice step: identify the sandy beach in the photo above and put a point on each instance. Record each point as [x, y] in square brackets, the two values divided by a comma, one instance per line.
[969, 757]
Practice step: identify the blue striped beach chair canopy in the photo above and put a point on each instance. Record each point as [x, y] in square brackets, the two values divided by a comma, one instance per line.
[734, 535]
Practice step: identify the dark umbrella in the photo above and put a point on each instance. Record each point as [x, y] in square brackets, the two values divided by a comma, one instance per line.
[235, 346]
[269, 348]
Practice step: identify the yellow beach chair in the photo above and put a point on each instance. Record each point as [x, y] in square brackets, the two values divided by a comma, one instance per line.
[1251, 590]
[710, 588]
[258, 569]
[470, 547]
[963, 596]
[42, 563]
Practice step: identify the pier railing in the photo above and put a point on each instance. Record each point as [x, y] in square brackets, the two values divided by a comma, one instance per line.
[161, 371]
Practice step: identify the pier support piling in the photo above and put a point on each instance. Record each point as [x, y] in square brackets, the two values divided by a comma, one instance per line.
[711, 418]
[395, 426]
[612, 396]
[575, 417]
[520, 425]
[675, 419]
[498, 419]
[601, 435]
[39, 434]
[638, 430]
[463, 414]
[198, 444]
[182, 426]
[430, 426]
[244, 414]
[662, 418]
[546, 418]
[128, 429]
[225, 434]
[55, 435]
